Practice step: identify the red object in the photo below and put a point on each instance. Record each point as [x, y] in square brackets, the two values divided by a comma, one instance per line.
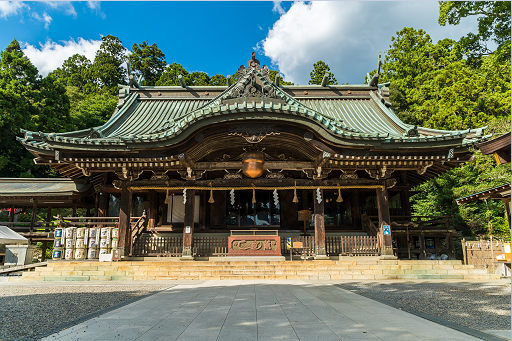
[254, 246]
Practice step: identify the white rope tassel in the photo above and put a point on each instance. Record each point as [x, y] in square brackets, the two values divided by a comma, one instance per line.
[184, 196]
[276, 198]
[318, 195]
[232, 195]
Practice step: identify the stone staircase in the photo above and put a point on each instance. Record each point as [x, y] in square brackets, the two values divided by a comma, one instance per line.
[353, 268]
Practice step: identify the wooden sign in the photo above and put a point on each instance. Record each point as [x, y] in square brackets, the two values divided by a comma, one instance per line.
[304, 215]
[297, 245]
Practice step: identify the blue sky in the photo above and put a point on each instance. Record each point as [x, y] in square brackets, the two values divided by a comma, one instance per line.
[217, 37]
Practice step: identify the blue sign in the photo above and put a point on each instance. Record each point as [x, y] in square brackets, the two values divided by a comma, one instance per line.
[387, 230]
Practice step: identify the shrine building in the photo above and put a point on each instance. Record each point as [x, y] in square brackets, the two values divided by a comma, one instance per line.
[205, 169]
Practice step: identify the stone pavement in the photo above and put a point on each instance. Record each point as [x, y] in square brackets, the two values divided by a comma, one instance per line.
[257, 310]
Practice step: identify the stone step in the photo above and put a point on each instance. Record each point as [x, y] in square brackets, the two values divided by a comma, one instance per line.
[350, 268]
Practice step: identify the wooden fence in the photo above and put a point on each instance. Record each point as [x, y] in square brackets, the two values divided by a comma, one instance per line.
[218, 246]
[158, 246]
[211, 246]
[359, 246]
[482, 253]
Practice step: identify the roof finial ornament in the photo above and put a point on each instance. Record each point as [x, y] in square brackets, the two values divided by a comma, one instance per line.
[253, 56]
[131, 78]
[228, 78]
[375, 79]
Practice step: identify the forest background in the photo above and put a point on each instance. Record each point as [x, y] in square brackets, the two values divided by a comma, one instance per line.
[448, 85]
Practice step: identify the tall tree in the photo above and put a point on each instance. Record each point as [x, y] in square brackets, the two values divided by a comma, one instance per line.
[493, 25]
[319, 70]
[148, 61]
[74, 72]
[274, 73]
[170, 75]
[107, 68]
[19, 82]
[218, 80]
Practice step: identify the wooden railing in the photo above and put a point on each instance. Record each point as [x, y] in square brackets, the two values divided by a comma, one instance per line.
[332, 245]
[482, 253]
[211, 246]
[158, 246]
[360, 246]
[369, 226]
[308, 246]
[136, 230]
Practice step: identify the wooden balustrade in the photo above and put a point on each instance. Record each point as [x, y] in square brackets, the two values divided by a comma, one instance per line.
[360, 246]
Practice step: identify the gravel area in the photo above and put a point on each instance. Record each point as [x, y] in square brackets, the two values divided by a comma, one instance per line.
[30, 311]
[473, 305]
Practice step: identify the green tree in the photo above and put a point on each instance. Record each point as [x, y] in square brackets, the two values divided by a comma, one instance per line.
[170, 75]
[52, 106]
[319, 70]
[218, 80]
[197, 78]
[91, 110]
[74, 72]
[107, 69]
[274, 73]
[148, 61]
[19, 89]
[493, 25]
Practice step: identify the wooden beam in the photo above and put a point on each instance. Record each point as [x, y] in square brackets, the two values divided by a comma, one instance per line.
[124, 218]
[153, 209]
[384, 220]
[34, 216]
[188, 229]
[286, 165]
[320, 252]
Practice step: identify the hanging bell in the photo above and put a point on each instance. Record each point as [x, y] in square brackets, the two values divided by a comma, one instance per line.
[167, 200]
[295, 199]
[339, 199]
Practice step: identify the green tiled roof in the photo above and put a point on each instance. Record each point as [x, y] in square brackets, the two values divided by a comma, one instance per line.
[160, 120]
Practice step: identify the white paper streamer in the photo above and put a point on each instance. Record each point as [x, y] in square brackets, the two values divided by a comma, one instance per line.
[184, 196]
[276, 198]
[318, 195]
[232, 195]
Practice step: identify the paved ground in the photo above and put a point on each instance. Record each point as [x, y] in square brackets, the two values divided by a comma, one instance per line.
[257, 310]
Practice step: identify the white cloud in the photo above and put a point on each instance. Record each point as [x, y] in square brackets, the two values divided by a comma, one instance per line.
[347, 35]
[51, 55]
[46, 18]
[11, 8]
[67, 6]
[95, 6]
[277, 7]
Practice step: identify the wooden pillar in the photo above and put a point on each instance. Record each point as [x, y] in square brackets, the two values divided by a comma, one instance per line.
[11, 215]
[406, 204]
[384, 220]
[320, 252]
[49, 216]
[202, 209]
[74, 211]
[422, 246]
[125, 213]
[356, 212]
[188, 229]
[43, 251]
[153, 209]
[34, 216]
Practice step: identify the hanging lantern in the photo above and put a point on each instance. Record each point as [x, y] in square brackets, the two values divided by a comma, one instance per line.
[295, 199]
[167, 200]
[339, 199]
[252, 164]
